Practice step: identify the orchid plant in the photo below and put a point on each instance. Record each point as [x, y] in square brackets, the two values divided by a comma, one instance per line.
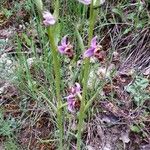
[48, 21]
[76, 94]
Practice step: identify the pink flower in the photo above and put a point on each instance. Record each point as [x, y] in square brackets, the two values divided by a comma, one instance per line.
[71, 103]
[49, 19]
[75, 89]
[85, 2]
[65, 47]
[72, 99]
[94, 50]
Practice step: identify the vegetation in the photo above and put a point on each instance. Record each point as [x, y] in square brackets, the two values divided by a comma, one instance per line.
[74, 74]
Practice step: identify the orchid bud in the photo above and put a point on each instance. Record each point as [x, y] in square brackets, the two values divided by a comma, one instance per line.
[49, 19]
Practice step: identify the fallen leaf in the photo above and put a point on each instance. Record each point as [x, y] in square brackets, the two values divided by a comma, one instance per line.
[90, 147]
[107, 147]
[125, 137]
[146, 71]
[113, 109]
[145, 147]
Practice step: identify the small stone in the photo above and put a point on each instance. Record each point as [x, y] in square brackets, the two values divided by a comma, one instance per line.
[30, 61]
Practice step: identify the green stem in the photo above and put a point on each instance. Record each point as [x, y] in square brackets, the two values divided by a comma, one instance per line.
[56, 64]
[56, 12]
[89, 103]
[86, 72]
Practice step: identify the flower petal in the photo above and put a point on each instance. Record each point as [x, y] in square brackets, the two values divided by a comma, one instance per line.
[49, 22]
[64, 41]
[70, 108]
[71, 102]
[49, 19]
[70, 98]
[86, 2]
[88, 53]
[46, 14]
[77, 87]
[61, 49]
[94, 42]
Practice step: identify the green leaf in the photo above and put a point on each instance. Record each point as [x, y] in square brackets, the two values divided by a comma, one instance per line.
[131, 16]
[135, 128]
[117, 11]
[27, 40]
[127, 30]
[80, 40]
[137, 90]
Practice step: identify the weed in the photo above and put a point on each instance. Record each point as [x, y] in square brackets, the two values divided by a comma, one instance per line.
[7, 128]
[138, 90]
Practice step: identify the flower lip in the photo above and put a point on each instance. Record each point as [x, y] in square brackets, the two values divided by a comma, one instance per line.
[68, 49]
[97, 50]
[71, 103]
